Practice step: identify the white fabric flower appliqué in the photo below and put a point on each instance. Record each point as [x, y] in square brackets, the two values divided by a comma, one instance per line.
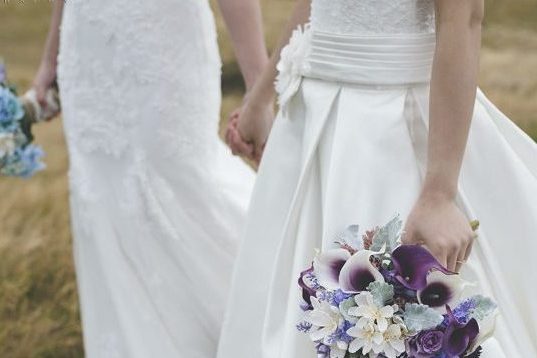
[292, 64]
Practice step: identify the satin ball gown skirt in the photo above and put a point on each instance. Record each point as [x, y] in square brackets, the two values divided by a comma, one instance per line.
[349, 147]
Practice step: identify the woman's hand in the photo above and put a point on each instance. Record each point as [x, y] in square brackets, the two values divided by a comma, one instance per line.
[45, 77]
[437, 223]
[249, 126]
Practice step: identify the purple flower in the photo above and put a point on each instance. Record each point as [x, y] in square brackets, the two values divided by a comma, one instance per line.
[304, 326]
[412, 264]
[307, 291]
[327, 266]
[464, 309]
[441, 289]
[358, 272]
[426, 344]
[323, 351]
[458, 336]
[430, 341]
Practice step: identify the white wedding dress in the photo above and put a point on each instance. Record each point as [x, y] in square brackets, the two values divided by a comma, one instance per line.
[349, 147]
[157, 200]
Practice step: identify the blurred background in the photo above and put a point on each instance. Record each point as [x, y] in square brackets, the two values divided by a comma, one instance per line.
[38, 302]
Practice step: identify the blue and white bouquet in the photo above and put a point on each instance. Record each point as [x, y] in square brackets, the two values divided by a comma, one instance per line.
[18, 157]
[373, 297]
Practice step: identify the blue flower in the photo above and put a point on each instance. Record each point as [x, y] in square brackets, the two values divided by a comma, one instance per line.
[24, 162]
[11, 110]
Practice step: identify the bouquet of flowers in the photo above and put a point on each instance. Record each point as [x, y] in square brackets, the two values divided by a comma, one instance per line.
[18, 157]
[373, 297]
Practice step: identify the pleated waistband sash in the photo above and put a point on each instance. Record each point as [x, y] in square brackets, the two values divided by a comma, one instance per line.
[370, 60]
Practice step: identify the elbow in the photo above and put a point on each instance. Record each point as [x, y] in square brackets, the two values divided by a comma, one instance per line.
[477, 15]
[467, 14]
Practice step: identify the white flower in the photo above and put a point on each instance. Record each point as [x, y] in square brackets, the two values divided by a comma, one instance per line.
[394, 343]
[7, 144]
[324, 317]
[290, 67]
[378, 329]
[338, 350]
[368, 311]
[366, 337]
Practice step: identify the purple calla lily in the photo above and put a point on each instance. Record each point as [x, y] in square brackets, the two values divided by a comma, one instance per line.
[458, 337]
[358, 272]
[441, 289]
[328, 265]
[413, 263]
[307, 291]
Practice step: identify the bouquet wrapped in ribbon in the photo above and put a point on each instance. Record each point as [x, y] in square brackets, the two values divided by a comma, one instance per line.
[373, 297]
[18, 157]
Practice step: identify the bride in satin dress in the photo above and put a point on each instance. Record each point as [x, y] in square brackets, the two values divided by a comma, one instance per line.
[380, 114]
[157, 200]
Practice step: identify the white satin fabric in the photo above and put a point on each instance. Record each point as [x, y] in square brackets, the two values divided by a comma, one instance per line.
[157, 200]
[350, 148]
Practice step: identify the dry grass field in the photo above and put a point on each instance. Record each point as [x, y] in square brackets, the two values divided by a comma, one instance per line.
[38, 302]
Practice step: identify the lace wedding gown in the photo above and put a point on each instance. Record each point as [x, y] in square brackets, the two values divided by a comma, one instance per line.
[350, 142]
[157, 201]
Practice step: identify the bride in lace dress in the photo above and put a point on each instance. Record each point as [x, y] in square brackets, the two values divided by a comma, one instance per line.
[157, 201]
[379, 115]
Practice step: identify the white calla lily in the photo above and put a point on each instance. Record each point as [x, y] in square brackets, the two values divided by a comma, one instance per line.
[327, 266]
[441, 290]
[358, 272]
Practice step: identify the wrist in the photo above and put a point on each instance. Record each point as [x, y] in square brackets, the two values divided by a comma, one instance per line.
[49, 62]
[259, 96]
[437, 189]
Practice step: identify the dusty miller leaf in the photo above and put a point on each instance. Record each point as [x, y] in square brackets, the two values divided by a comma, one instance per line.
[381, 291]
[388, 235]
[421, 317]
[344, 309]
[351, 237]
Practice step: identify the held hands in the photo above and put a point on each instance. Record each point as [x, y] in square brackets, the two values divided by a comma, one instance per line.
[44, 79]
[438, 224]
[248, 128]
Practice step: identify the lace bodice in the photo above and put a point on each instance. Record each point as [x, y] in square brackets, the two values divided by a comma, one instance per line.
[373, 16]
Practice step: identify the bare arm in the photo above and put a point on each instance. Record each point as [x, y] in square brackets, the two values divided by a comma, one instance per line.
[255, 121]
[453, 91]
[436, 221]
[264, 89]
[46, 73]
[243, 19]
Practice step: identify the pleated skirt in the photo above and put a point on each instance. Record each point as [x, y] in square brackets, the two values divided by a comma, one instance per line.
[345, 153]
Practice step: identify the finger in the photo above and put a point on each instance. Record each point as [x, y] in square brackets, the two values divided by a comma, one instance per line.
[410, 237]
[227, 135]
[470, 247]
[441, 256]
[234, 116]
[40, 95]
[406, 237]
[452, 260]
[461, 258]
[240, 146]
